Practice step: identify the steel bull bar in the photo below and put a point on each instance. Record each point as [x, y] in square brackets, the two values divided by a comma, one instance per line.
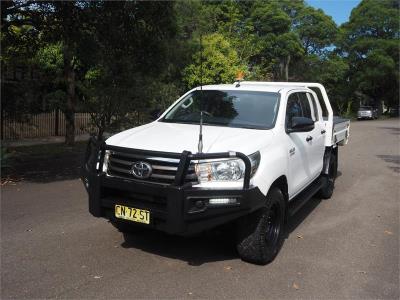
[180, 194]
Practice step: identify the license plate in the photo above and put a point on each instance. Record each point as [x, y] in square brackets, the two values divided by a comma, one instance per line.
[132, 214]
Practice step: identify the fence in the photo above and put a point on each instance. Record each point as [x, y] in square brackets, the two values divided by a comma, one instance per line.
[42, 125]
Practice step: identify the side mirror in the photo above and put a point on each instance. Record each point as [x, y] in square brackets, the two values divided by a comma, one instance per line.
[300, 124]
[155, 114]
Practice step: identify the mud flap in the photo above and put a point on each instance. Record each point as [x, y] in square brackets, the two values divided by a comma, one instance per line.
[327, 159]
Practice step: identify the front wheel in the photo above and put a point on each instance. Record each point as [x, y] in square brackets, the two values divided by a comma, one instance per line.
[260, 235]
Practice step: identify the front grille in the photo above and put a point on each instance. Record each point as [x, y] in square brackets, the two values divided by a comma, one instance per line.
[164, 169]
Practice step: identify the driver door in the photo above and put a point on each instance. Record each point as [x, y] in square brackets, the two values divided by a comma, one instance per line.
[301, 151]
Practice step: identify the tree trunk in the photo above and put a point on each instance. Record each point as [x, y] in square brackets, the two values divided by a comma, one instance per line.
[67, 15]
[287, 68]
[69, 77]
[101, 129]
[281, 68]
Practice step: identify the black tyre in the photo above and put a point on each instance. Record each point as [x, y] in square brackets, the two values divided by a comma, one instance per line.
[328, 180]
[260, 235]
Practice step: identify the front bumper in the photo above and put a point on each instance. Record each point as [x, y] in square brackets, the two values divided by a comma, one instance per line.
[177, 208]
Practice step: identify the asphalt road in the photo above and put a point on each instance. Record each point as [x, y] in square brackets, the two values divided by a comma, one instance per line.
[345, 247]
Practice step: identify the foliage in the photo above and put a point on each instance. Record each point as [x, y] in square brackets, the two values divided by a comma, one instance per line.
[115, 82]
[50, 58]
[120, 60]
[216, 62]
[315, 29]
[370, 42]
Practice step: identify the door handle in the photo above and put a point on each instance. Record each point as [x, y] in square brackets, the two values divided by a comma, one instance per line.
[323, 131]
[309, 138]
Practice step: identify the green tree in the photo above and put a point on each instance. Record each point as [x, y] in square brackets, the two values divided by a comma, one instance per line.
[53, 22]
[332, 71]
[63, 22]
[19, 43]
[316, 30]
[100, 55]
[278, 45]
[126, 52]
[370, 41]
[216, 63]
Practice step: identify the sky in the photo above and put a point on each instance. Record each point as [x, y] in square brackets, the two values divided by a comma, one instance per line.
[339, 9]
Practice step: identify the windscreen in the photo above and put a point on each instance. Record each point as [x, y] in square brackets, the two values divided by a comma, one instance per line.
[245, 109]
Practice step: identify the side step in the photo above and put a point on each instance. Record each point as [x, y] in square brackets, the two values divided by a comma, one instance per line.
[301, 199]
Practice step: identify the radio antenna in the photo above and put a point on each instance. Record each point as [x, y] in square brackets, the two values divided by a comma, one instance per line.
[200, 145]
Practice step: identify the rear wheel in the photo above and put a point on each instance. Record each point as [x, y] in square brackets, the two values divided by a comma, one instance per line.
[260, 235]
[328, 180]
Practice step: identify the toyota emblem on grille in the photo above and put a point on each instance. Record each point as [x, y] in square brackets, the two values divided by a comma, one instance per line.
[141, 170]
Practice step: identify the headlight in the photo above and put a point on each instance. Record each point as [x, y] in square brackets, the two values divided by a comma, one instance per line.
[225, 170]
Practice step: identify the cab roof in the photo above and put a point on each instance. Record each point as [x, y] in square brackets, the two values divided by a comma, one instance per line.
[272, 87]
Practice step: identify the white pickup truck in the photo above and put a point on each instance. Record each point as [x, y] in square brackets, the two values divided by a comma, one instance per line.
[265, 148]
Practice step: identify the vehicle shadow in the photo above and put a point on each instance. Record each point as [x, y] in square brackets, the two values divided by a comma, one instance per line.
[301, 215]
[212, 246]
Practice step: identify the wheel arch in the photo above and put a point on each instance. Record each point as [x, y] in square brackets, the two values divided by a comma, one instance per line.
[282, 184]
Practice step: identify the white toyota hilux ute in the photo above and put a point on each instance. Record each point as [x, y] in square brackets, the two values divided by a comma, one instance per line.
[247, 154]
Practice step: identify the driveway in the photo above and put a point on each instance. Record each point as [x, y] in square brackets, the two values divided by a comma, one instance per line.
[345, 247]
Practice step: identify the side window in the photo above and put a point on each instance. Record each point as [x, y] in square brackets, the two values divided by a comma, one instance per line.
[305, 105]
[299, 105]
[293, 108]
